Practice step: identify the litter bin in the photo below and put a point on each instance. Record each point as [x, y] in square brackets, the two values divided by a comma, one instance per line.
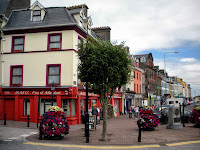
[164, 119]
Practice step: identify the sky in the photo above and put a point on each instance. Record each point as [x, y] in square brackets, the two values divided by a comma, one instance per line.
[160, 27]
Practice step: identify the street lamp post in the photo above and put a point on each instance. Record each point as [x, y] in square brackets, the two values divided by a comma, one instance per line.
[53, 87]
[166, 70]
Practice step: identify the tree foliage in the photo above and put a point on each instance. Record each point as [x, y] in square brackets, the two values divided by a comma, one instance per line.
[104, 66]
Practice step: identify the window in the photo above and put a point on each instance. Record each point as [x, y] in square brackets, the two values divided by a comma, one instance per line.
[16, 75]
[69, 107]
[80, 43]
[26, 107]
[137, 75]
[18, 43]
[53, 74]
[55, 41]
[45, 104]
[36, 15]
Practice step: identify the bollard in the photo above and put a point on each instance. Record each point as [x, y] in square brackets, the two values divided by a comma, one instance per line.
[28, 121]
[40, 132]
[87, 134]
[139, 136]
[130, 114]
[183, 115]
[4, 118]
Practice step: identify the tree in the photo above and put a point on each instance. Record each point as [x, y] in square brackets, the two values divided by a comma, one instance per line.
[104, 66]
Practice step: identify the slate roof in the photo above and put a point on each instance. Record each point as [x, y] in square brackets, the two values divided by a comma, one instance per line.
[55, 16]
[4, 5]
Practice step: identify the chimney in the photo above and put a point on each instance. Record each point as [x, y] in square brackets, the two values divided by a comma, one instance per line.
[103, 32]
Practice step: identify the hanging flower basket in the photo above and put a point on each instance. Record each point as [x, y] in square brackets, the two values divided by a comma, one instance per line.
[195, 117]
[54, 123]
[148, 119]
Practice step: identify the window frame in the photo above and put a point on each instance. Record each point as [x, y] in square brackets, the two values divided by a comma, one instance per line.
[47, 74]
[48, 44]
[11, 75]
[26, 108]
[13, 39]
[81, 39]
[36, 15]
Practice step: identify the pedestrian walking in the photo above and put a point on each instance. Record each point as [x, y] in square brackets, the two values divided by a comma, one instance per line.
[133, 110]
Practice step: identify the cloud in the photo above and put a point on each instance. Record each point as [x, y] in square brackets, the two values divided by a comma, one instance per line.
[145, 24]
[188, 60]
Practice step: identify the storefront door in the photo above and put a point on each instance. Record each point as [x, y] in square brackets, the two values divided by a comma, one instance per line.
[10, 109]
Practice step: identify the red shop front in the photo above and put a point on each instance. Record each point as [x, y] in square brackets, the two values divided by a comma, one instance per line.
[116, 103]
[19, 103]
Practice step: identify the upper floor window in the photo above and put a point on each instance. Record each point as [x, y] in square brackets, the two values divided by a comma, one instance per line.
[53, 74]
[16, 73]
[36, 15]
[55, 41]
[18, 43]
[80, 43]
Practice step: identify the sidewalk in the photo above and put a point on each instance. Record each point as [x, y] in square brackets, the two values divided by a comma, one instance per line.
[120, 131]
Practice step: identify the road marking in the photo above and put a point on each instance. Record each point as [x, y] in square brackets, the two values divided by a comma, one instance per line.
[8, 140]
[24, 135]
[183, 143]
[99, 147]
[13, 138]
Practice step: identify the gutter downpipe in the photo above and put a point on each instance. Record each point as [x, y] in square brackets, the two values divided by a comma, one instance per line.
[2, 58]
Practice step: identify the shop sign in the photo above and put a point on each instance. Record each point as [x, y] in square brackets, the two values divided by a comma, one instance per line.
[32, 92]
[90, 94]
[117, 96]
[129, 96]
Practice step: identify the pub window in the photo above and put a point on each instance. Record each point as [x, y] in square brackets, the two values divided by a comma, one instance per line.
[53, 74]
[16, 75]
[69, 107]
[55, 41]
[45, 104]
[26, 107]
[18, 43]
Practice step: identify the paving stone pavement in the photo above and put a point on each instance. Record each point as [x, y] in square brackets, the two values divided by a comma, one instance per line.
[120, 131]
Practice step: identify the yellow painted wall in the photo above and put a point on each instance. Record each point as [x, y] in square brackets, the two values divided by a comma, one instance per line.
[34, 67]
[39, 41]
[34, 63]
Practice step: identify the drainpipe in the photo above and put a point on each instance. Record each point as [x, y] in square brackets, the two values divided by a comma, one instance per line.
[2, 58]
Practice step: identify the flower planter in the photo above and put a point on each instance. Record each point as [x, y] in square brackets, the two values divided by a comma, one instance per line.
[57, 137]
[195, 117]
[54, 124]
[148, 119]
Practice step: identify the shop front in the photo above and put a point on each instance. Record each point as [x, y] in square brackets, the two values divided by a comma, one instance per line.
[18, 104]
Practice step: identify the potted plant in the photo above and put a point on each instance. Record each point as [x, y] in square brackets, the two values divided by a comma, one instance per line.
[148, 119]
[54, 123]
[195, 117]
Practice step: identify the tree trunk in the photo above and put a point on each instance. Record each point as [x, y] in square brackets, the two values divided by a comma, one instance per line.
[104, 134]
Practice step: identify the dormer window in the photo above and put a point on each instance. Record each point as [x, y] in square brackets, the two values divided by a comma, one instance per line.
[36, 15]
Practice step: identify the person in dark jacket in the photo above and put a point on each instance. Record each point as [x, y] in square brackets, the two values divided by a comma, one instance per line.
[82, 115]
[95, 112]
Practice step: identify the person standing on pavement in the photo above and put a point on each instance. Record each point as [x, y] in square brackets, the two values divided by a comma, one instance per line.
[133, 110]
[95, 112]
[136, 111]
[82, 115]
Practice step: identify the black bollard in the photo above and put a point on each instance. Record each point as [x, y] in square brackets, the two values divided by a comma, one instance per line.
[183, 115]
[40, 133]
[87, 134]
[139, 136]
[4, 118]
[28, 121]
[130, 114]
